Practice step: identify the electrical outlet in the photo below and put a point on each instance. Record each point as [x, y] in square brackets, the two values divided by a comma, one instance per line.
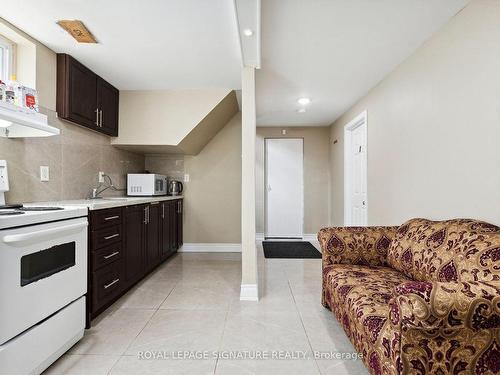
[44, 173]
[101, 177]
[186, 178]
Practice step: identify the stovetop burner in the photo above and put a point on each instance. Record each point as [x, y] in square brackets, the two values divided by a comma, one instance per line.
[33, 208]
[5, 213]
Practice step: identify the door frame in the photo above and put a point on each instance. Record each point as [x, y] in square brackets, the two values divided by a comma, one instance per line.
[359, 120]
[266, 191]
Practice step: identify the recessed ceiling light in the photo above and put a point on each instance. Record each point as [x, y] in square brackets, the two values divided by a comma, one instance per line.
[301, 110]
[304, 101]
[248, 32]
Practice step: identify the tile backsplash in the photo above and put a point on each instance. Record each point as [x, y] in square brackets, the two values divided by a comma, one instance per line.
[74, 158]
[171, 165]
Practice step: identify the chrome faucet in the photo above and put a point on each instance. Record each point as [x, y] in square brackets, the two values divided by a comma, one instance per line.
[103, 186]
[96, 192]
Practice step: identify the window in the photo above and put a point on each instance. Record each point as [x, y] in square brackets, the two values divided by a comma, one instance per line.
[6, 59]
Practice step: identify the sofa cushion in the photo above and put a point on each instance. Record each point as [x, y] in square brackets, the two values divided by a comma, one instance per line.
[359, 296]
[366, 246]
[453, 250]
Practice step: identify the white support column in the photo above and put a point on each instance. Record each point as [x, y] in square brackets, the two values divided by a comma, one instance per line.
[249, 283]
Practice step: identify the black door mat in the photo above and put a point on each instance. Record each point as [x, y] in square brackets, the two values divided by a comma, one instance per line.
[290, 250]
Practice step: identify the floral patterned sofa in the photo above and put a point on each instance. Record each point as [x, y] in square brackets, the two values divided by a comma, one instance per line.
[422, 298]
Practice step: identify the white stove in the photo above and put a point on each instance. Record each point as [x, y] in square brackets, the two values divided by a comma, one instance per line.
[30, 214]
[43, 282]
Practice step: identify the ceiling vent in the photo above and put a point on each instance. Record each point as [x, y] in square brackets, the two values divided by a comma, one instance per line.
[77, 30]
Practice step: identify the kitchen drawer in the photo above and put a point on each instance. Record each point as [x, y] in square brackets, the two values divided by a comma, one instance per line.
[107, 284]
[106, 236]
[106, 255]
[105, 218]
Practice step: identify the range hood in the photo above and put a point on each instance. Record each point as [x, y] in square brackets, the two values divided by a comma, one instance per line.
[17, 122]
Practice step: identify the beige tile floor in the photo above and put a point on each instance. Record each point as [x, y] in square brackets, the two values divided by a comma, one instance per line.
[191, 303]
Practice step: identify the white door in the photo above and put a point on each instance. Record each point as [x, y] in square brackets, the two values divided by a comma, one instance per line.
[284, 187]
[355, 170]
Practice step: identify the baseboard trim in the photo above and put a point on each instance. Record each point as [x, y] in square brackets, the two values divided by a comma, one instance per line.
[305, 237]
[310, 237]
[210, 248]
[249, 292]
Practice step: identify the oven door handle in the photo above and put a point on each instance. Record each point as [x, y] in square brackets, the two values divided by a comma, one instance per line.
[23, 237]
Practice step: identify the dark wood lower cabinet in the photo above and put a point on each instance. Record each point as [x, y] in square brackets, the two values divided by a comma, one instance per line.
[153, 230]
[173, 227]
[178, 223]
[166, 235]
[133, 247]
[127, 243]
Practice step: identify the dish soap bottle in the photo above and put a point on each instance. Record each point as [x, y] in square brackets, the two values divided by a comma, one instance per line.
[18, 91]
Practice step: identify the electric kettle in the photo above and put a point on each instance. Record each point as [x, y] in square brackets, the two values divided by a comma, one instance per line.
[175, 187]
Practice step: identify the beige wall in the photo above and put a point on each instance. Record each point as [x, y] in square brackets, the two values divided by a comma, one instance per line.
[213, 195]
[163, 117]
[434, 128]
[212, 210]
[316, 174]
[74, 157]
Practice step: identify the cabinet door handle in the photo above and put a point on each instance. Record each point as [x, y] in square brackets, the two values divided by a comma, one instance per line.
[111, 283]
[111, 255]
[97, 117]
[100, 116]
[163, 211]
[111, 218]
[145, 215]
[112, 236]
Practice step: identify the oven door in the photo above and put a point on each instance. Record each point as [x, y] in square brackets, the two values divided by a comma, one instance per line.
[42, 269]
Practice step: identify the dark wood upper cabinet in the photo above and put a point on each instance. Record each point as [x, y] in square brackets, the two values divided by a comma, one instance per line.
[85, 98]
[107, 102]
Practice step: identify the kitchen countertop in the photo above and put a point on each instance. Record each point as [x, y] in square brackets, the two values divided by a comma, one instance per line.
[106, 202]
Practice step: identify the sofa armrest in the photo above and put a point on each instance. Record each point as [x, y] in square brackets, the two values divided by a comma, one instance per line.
[355, 245]
[432, 305]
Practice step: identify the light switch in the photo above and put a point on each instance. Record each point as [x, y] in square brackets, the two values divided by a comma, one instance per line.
[44, 173]
[186, 178]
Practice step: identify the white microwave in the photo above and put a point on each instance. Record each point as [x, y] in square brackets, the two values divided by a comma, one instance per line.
[146, 184]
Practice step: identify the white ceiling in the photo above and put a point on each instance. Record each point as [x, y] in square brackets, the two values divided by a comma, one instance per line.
[247, 16]
[152, 44]
[335, 51]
